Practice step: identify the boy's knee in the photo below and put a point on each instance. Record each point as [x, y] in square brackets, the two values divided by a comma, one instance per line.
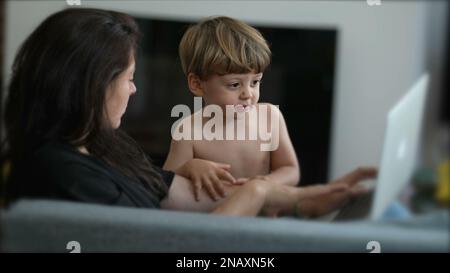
[259, 188]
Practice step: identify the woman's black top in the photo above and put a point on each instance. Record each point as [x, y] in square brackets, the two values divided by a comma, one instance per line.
[59, 171]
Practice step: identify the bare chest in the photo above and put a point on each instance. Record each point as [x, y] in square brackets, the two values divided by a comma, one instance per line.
[244, 156]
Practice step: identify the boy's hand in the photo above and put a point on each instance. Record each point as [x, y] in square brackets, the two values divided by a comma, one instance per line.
[207, 174]
[243, 180]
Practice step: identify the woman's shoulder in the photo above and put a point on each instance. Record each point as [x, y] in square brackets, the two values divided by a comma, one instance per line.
[59, 152]
[54, 151]
[87, 178]
[57, 157]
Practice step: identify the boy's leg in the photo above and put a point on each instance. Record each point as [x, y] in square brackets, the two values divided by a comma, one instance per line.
[244, 200]
[241, 200]
[181, 197]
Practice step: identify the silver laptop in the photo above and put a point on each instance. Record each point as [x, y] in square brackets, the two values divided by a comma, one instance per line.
[399, 155]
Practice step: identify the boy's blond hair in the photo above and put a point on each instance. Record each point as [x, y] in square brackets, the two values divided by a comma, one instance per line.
[223, 45]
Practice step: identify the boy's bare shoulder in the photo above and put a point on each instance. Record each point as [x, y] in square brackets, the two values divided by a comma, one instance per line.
[273, 108]
[183, 131]
[188, 120]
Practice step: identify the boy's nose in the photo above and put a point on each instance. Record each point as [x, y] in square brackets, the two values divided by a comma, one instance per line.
[246, 93]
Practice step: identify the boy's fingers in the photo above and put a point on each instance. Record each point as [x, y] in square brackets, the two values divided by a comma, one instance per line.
[224, 166]
[218, 186]
[226, 176]
[210, 189]
[197, 189]
[241, 180]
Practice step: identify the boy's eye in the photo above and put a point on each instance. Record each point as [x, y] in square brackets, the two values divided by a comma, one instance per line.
[234, 85]
[255, 82]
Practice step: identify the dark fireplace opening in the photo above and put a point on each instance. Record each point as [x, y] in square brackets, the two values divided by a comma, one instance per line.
[300, 80]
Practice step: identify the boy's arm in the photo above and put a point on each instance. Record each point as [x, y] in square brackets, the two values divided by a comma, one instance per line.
[181, 151]
[284, 167]
[203, 174]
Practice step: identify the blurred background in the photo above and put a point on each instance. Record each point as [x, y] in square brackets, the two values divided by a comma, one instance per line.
[337, 68]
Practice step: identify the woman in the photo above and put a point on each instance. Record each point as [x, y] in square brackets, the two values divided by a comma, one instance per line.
[70, 86]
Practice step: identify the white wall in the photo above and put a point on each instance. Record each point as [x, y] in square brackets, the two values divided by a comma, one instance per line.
[381, 51]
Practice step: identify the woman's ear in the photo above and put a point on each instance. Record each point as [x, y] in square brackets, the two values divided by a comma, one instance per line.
[195, 84]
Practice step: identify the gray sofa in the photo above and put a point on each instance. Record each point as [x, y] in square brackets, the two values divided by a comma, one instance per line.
[48, 226]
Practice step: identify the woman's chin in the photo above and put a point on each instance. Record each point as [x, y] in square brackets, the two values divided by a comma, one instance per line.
[116, 124]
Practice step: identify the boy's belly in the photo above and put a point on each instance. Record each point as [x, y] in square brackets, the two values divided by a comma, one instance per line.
[245, 157]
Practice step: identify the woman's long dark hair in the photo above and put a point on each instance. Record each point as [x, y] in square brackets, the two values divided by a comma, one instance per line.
[57, 92]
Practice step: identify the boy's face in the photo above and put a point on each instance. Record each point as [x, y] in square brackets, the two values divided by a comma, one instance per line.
[239, 90]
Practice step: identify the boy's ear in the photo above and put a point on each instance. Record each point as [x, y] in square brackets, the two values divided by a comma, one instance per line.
[195, 84]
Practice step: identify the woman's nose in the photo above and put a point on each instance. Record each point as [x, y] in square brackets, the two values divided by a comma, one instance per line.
[133, 89]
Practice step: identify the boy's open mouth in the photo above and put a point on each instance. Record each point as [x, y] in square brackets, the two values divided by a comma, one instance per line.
[243, 108]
